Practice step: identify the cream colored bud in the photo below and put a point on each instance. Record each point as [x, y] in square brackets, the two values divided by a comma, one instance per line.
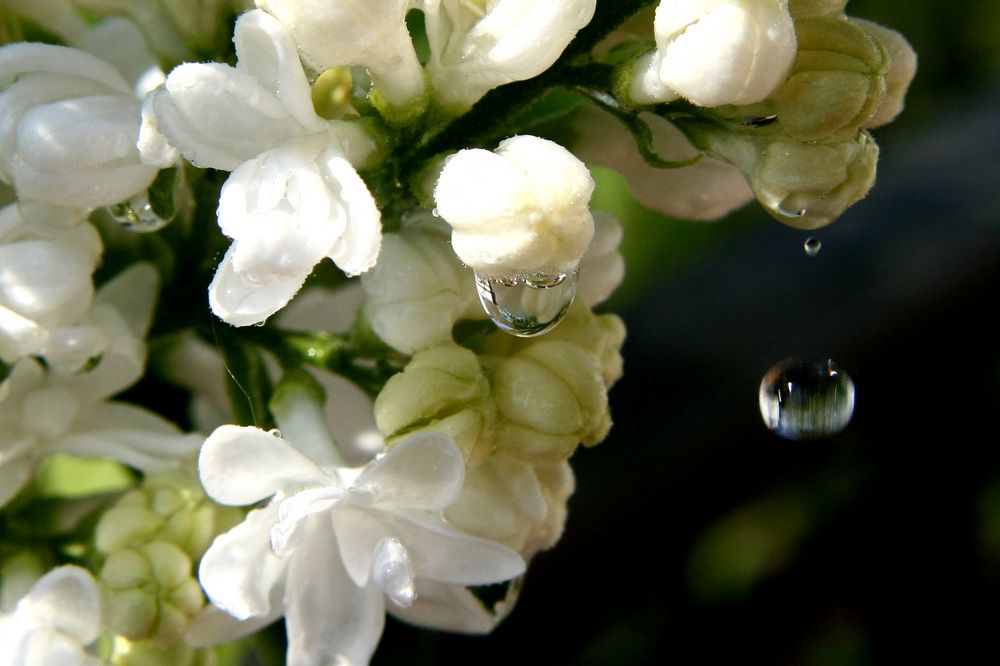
[806, 8]
[808, 186]
[442, 389]
[550, 397]
[902, 69]
[837, 83]
[519, 211]
[715, 52]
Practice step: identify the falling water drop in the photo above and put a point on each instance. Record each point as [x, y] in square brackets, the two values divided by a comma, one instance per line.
[527, 306]
[806, 399]
[812, 246]
[136, 214]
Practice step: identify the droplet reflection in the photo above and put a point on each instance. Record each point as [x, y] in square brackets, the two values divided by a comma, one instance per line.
[137, 214]
[806, 399]
[527, 306]
[812, 246]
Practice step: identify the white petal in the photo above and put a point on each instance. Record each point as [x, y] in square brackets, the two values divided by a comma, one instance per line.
[266, 51]
[240, 465]
[424, 471]
[67, 598]
[240, 303]
[328, 618]
[280, 210]
[130, 434]
[241, 574]
[52, 648]
[132, 294]
[450, 608]
[357, 248]
[24, 57]
[214, 626]
[218, 116]
[442, 553]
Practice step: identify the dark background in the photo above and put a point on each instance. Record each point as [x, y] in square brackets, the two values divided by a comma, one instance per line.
[696, 535]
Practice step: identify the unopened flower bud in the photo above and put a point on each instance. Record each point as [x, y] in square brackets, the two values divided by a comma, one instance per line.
[418, 289]
[521, 210]
[442, 389]
[902, 69]
[550, 397]
[806, 185]
[837, 83]
[807, 8]
[716, 52]
[152, 594]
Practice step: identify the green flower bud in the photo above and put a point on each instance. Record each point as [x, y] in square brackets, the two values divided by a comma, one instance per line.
[550, 396]
[520, 505]
[442, 389]
[804, 185]
[151, 592]
[805, 8]
[601, 335]
[902, 69]
[151, 653]
[837, 83]
[172, 507]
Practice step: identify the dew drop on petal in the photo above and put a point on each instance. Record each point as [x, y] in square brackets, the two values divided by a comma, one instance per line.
[274, 432]
[806, 399]
[812, 246]
[136, 214]
[527, 306]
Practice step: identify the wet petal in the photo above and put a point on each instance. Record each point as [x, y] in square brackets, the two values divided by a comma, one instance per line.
[239, 302]
[241, 574]
[424, 471]
[242, 465]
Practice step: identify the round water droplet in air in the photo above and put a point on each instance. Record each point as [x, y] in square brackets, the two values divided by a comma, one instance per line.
[812, 246]
[137, 214]
[806, 399]
[527, 306]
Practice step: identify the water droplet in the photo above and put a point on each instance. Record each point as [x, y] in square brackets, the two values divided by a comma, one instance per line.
[785, 212]
[435, 213]
[274, 432]
[759, 121]
[527, 306]
[137, 215]
[806, 399]
[812, 246]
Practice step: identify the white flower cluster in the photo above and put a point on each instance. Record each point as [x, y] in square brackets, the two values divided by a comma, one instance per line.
[416, 450]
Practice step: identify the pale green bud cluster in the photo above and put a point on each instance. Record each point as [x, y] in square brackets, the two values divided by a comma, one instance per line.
[151, 653]
[151, 592]
[152, 537]
[517, 409]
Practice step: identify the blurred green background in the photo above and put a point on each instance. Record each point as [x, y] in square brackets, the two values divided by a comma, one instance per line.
[696, 535]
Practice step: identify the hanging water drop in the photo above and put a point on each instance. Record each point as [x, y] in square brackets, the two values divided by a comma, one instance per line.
[529, 305]
[806, 399]
[137, 214]
[812, 246]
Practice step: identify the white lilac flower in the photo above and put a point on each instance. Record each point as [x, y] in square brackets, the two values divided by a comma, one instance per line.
[706, 190]
[294, 196]
[715, 52]
[69, 123]
[518, 211]
[479, 45]
[334, 543]
[42, 412]
[54, 622]
[602, 268]
[46, 261]
[334, 33]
